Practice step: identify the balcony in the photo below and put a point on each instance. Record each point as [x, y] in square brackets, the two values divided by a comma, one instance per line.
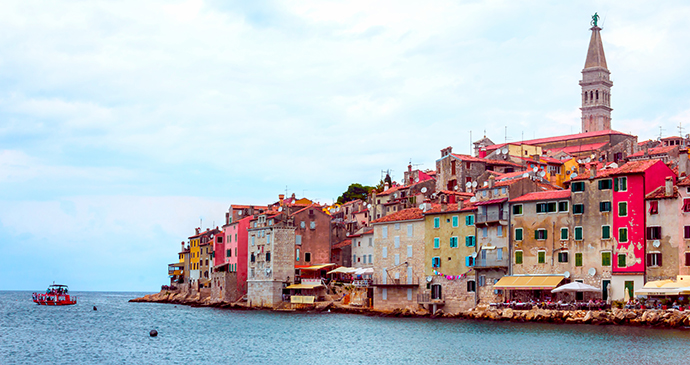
[491, 262]
[490, 217]
[391, 281]
[426, 298]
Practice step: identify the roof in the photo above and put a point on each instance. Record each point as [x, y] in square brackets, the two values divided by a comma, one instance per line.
[654, 151]
[313, 205]
[543, 195]
[579, 148]
[492, 201]
[343, 243]
[458, 193]
[569, 137]
[498, 184]
[510, 175]
[632, 167]
[685, 182]
[595, 52]
[390, 190]
[469, 158]
[450, 208]
[660, 193]
[402, 215]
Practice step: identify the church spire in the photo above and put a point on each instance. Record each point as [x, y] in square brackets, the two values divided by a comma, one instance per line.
[596, 85]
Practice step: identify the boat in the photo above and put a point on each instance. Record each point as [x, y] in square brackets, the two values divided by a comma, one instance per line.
[56, 294]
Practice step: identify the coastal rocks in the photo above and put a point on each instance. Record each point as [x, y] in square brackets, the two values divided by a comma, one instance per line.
[507, 314]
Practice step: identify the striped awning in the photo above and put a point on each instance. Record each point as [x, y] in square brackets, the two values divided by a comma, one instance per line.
[528, 282]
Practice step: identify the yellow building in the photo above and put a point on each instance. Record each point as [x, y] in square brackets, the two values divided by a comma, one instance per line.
[450, 245]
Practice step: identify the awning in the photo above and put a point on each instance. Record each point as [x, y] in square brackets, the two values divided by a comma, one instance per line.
[220, 266]
[177, 264]
[659, 291]
[318, 267]
[528, 282]
[303, 286]
[342, 270]
[366, 271]
[493, 201]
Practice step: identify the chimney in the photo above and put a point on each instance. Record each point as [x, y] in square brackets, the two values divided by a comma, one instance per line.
[386, 186]
[592, 170]
[197, 230]
[669, 186]
[281, 197]
[182, 246]
[482, 152]
[460, 203]
[646, 150]
[491, 181]
[683, 161]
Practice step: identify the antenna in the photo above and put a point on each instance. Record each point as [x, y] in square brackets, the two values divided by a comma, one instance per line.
[660, 131]
[505, 133]
[471, 144]
[680, 129]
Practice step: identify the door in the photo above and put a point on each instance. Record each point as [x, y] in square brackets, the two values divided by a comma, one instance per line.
[436, 291]
[630, 288]
[605, 289]
[579, 296]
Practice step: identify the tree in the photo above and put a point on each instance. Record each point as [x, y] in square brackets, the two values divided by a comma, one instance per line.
[355, 191]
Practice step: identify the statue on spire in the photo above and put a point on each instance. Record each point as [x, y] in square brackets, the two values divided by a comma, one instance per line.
[595, 19]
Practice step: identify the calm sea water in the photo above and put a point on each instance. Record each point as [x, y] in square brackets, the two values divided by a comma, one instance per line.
[118, 333]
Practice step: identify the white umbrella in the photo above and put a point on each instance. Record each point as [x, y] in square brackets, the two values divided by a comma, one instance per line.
[364, 271]
[342, 270]
[576, 286]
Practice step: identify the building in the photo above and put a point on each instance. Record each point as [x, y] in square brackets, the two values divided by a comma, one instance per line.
[363, 249]
[665, 236]
[449, 246]
[399, 239]
[596, 87]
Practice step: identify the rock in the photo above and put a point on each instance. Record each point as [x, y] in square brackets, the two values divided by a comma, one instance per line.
[630, 315]
[588, 317]
[507, 314]
[676, 319]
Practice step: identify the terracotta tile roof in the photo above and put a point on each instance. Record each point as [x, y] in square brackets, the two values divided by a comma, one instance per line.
[501, 162]
[685, 182]
[498, 184]
[235, 206]
[491, 201]
[654, 151]
[543, 195]
[342, 244]
[450, 208]
[551, 160]
[579, 148]
[457, 193]
[403, 215]
[632, 167]
[468, 158]
[313, 205]
[391, 190]
[660, 193]
[511, 175]
[567, 137]
[531, 160]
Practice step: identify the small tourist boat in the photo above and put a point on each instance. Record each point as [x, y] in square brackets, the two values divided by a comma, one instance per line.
[55, 295]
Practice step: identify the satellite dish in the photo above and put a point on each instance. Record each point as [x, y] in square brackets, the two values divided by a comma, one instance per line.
[499, 151]
[525, 175]
[368, 206]
[416, 180]
[474, 184]
[456, 187]
[473, 199]
[656, 243]
[486, 183]
[535, 169]
[505, 150]
[542, 173]
[395, 195]
[580, 161]
[468, 184]
[474, 255]
[239, 213]
[566, 274]
[424, 190]
[613, 165]
[429, 278]
[592, 271]
[421, 206]
[588, 160]
[573, 175]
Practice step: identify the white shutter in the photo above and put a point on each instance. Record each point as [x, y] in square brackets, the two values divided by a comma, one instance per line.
[409, 230]
[409, 294]
[384, 294]
[384, 252]
[397, 259]
[409, 276]
[396, 241]
[409, 251]
[384, 232]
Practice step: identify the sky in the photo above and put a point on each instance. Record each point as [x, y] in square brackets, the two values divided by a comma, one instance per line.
[126, 124]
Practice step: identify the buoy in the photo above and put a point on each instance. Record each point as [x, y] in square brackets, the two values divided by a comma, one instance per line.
[153, 333]
[94, 308]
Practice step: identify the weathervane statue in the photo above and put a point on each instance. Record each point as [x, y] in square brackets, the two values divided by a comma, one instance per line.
[595, 19]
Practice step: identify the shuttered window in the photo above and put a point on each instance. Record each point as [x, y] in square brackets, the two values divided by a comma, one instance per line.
[518, 257]
[578, 259]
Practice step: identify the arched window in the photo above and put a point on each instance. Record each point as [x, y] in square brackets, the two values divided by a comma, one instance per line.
[585, 97]
[596, 95]
[591, 95]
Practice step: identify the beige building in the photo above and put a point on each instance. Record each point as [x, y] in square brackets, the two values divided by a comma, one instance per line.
[399, 263]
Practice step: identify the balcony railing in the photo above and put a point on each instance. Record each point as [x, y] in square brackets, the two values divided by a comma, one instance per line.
[426, 298]
[490, 262]
[494, 216]
[390, 280]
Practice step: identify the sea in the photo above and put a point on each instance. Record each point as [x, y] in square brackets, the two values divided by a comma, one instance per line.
[118, 332]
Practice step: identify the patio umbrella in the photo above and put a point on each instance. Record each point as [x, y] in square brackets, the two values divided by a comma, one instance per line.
[342, 270]
[575, 287]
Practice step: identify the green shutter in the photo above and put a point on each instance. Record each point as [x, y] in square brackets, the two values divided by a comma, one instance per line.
[623, 235]
[578, 259]
[606, 259]
[541, 257]
[615, 184]
[578, 233]
[621, 261]
[518, 234]
[564, 233]
[518, 257]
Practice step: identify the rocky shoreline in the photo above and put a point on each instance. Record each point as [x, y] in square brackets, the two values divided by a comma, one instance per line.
[629, 317]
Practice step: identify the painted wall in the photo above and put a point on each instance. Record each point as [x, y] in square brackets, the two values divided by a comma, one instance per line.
[634, 222]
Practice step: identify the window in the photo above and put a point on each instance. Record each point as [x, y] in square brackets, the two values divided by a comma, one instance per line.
[563, 207]
[297, 255]
[455, 221]
[253, 240]
[499, 231]
[577, 186]
[621, 260]
[437, 222]
[482, 280]
[606, 232]
[312, 225]
[517, 209]
[578, 259]
[622, 209]
[578, 209]
[503, 190]
[470, 241]
[551, 207]
[604, 206]
[541, 207]
[621, 184]
[541, 257]
[396, 241]
[540, 234]
[485, 232]
[605, 184]
[371, 242]
[622, 235]
[654, 207]
[384, 294]
[653, 233]
[564, 233]
[396, 259]
[384, 252]
[409, 252]
[370, 259]
[384, 232]
[686, 205]
[437, 242]
[606, 258]
[687, 259]
[654, 259]
[268, 256]
[298, 239]
[469, 220]
[397, 226]
[252, 257]
[302, 225]
[518, 257]
[518, 234]
[578, 233]
[563, 256]
[453, 242]
[471, 287]
[228, 253]
[436, 261]
[268, 238]
[409, 230]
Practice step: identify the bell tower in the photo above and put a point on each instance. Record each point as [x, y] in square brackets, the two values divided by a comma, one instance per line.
[596, 85]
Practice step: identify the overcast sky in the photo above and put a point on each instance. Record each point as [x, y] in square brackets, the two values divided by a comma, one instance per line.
[125, 123]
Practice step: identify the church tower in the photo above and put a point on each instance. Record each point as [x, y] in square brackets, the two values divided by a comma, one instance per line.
[596, 85]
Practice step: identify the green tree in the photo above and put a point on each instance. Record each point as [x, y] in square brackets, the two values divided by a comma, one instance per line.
[355, 191]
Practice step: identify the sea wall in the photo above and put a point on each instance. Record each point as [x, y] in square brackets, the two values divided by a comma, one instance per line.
[630, 317]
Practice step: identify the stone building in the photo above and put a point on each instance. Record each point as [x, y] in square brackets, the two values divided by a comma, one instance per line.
[596, 87]
[449, 245]
[665, 236]
[363, 248]
[399, 263]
